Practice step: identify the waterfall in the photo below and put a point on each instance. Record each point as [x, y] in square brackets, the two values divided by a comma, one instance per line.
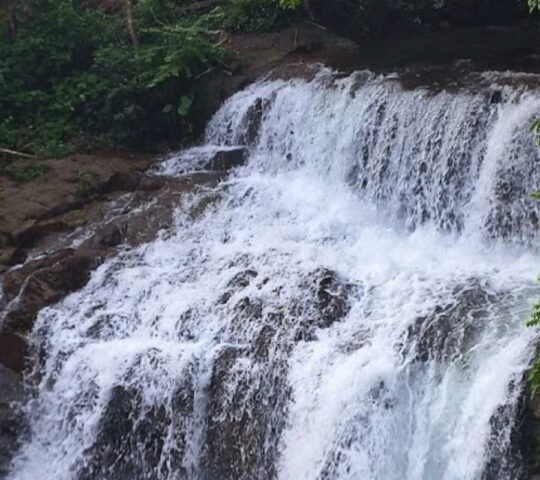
[351, 306]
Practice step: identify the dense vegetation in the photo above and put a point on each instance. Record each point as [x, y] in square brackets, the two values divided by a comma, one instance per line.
[76, 73]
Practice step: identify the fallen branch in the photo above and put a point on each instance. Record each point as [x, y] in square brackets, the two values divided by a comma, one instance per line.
[318, 25]
[201, 7]
[203, 74]
[14, 153]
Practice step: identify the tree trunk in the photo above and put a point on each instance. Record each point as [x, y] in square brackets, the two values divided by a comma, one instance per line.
[201, 7]
[309, 10]
[130, 19]
[8, 18]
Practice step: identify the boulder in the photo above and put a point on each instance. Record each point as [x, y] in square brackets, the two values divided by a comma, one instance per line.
[225, 160]
[134, 434]
[332, 297]
[254, 115]
[13, 351]
[452, 328]
[245, 417]
[46, 283]
[10, 416]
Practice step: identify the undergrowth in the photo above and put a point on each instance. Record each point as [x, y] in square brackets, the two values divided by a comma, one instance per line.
[71, 77]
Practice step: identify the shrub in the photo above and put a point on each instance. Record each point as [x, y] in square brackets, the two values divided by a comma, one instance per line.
[71, 76]
[256, 15]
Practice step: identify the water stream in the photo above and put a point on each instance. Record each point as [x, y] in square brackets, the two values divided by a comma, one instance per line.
[352, 305]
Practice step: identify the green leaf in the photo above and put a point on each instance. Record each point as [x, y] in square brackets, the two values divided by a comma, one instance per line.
[184, 106]
[167, 108]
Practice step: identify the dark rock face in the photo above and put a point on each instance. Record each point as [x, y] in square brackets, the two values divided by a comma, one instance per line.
[48, 278]
[246, 404]
[13, 350]
[131, 435]
[451, 329]
[506, 461]
[248, 391]
[10, 419]
[225, 160]
[386, 16]
[35, 285]
[255, 115]
[45, 283]
[332, 301]
[529, 432]
[131, 438]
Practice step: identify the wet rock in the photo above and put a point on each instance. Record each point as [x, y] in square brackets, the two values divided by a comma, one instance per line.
[45, 283]
[326, 302]
[225, 160]
[6, 239]
[246, 408]
[266, 337]
[59, 210]
[505, 191]
[450, 330]
[240, 281]
[248, 310]
[35, 285]
[332, 298]
[504, 450]
[48, 278]
[15, 278]
[124, 182]
[18, 256]
[30, 235]
[10, 418]
[11, 256]
[13, 350]
[254, 115]
[529, 431]
[110, 235]
[309, 46]
[134, 433]
[248, 390]
[129, 442]
[496, 97]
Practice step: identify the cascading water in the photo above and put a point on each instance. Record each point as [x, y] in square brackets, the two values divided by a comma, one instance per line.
[351, 308]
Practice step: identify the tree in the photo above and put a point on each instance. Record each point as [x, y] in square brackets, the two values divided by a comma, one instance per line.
[128, 7]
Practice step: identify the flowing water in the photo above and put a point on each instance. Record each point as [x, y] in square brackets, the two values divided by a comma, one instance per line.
[351, 307]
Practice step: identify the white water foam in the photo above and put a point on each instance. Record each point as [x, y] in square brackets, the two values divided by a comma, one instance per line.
[394, 195]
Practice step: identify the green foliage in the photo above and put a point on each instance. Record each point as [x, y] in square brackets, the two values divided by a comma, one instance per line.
[86, 183]
[534, 4]
[534, 320]
[535, 129]
[256, 15]
[290, 4]
[534, 372]
[24, 173]
[71, 76]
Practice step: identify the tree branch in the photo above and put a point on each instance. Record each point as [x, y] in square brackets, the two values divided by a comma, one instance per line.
[14, 153]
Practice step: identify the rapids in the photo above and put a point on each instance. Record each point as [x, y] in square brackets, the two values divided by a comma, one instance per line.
[351, 307]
